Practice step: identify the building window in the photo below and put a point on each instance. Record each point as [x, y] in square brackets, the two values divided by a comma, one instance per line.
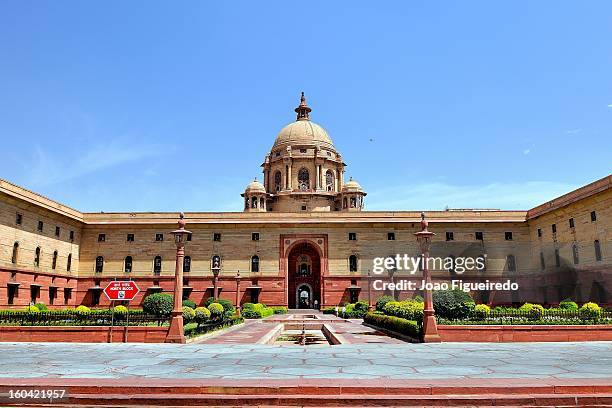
[277, 181]
[450, 236]
[255, 236]
[254, 263]
[52, 294]
[101, 237]
[34, 293]
[189, 236]
[54, 260]
[571, 223]
[217, 237]
[575, 254]
[479, 236]
[37, 257]
[130, 238]
[15, 253]
[72, 235]
[57, 231]
[99, 264]
[593, 216]
[159, 237]
[67, 295]
[390, 236]
[69, 262]
[40, 226]
[12, 293]
[511, 263]
[95, 297]
[353, 263]
[329, 181]
[157, 265]
[542, 261]
[352, 236]
[508, 235]
[304, 208]
[18, 219]
[557, 258]
[303, 180]
[554, 228]
[187, 264]
[539, 232]
[597, 250]
[127, 264]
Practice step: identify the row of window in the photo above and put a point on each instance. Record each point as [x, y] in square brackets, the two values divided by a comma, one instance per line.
[41, 226]
[37, 257]
[157, 264]
[159, 237]
[575, 255]
[479, 235]
[13, 293]
[571, 223]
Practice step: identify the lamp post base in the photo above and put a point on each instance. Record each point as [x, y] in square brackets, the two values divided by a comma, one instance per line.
[175, 332]
[430, 330]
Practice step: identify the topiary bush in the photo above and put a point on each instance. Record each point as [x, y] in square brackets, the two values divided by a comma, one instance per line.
[158, 304]
[535, 310]
[382, 301]
[216, 311]
[32, 309]
[201, 315]
[188, 314]
[120, 310]
[228, 306]
[407, 309]
[482, 310]
[41, 307]
[590, 310]
[82, 309]
[568, 304]
[189, 303]
[361, 306]
[452, 304]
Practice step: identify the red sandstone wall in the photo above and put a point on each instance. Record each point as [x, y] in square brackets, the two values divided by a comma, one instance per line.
[83, 334]
[500, 334]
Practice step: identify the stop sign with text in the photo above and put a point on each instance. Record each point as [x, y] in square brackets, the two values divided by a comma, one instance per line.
[121, 290]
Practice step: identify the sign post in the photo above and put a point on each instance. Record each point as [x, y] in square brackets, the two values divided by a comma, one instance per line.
[120, 290]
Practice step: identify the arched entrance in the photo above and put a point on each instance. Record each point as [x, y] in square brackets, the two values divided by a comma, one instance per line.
[304, 276]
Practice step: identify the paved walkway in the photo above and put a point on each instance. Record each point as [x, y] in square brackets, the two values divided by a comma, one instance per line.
[366, 361]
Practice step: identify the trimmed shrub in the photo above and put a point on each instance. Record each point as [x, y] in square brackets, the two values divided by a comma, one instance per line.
[120, 309]
[158, 304]
[453, 304]
[188, 314]
[201, 315]
[279, 309]
[418, 298]
[329, 310]
[32, 309]
[41, 307]
[361, 306]
[407, 309]
[82, 309]
[590, 311]
[482, 310]
[228, 306]
[189, 303]
[533, 309]
[568, 304]
[396, 324]
[382, 301]
[256, 311]
[216, 311]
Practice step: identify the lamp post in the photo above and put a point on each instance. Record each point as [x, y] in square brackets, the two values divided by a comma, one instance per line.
[176, 333]
[430, 328]
[369, 291]
[238, 293]
[215, 283]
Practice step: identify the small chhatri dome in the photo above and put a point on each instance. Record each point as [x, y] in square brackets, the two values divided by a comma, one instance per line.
[352, 186]
[303, 131]
[255, 187]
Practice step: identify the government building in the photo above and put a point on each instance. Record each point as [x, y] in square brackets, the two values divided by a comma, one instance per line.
[302, 240]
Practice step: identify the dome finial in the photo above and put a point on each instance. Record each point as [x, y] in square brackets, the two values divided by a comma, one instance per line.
[303, 110]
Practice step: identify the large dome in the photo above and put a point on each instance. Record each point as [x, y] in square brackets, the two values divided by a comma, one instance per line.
[303, 131]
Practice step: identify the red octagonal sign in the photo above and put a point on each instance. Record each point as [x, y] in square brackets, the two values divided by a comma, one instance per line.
[121, 290]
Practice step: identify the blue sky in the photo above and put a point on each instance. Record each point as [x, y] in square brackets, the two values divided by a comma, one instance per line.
[164, 106]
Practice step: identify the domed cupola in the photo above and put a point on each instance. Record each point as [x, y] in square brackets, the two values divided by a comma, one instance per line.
[254, 197]
[352, 196]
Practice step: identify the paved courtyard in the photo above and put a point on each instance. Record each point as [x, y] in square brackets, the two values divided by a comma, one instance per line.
[354, 361]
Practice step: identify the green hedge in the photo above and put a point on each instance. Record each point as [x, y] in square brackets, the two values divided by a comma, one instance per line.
[194, 329]
[397, 324]
[407, 309]
[279, 309]
[452, 304]
[256, 311]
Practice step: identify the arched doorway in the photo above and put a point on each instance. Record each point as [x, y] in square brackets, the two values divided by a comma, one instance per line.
[304, 276]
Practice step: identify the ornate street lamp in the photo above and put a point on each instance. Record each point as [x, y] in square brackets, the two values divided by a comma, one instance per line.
[369, 291]
[176, 333]
[238, 293]
[430, 328]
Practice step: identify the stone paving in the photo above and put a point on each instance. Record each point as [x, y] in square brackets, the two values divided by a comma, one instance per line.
[359, 361]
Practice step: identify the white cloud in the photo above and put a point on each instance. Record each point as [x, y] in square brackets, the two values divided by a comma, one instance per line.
[436, 196]
[610, 105]
[573, 131]
[526, 151]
